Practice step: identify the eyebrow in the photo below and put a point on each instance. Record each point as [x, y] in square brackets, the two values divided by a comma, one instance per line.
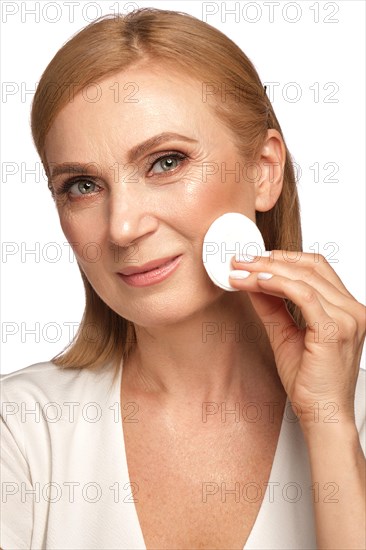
[136, 152]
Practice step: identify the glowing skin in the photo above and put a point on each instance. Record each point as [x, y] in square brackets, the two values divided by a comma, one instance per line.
[170, 450]
[163, 213]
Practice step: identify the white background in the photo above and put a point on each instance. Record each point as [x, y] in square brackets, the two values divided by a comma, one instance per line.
[306, 46]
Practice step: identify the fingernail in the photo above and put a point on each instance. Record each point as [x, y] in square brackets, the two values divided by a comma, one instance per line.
[263, 275]
[239, 274]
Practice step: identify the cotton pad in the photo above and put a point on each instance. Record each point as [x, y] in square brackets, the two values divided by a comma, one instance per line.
[232, 234]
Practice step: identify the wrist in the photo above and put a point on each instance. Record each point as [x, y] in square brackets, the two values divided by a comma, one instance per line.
[335, 435]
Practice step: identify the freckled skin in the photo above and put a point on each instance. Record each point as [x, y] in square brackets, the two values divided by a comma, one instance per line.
[173, 370]
[162, 215]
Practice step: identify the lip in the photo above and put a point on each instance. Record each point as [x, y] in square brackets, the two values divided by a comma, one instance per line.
[150, 273]
[147, 267]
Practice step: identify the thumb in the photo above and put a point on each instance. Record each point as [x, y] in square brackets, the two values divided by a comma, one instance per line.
[275, 316]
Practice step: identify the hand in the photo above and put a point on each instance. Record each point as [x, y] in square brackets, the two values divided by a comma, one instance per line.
[318, 364]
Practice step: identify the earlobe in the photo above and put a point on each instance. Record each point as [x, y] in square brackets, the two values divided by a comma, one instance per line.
[270, 171]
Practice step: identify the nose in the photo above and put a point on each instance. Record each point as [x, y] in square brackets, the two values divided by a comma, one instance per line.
[130, 216]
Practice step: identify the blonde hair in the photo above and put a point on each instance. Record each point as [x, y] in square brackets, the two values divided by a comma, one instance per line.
[112, 44]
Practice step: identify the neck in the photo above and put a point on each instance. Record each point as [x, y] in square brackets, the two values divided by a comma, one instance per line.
[222, 352]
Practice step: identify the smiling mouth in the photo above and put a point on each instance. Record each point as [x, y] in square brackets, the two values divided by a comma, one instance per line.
[151, 276]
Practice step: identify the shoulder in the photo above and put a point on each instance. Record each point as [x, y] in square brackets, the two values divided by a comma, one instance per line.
[40, 378]
[46, 381]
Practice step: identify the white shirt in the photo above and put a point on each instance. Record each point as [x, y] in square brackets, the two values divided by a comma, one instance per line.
[64, 477]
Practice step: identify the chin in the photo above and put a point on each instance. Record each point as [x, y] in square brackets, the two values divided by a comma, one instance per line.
[164, 308]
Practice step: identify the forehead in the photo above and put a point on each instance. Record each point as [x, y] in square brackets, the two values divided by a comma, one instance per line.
[128, 108]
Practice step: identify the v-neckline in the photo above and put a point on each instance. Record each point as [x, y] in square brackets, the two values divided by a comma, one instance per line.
[136, 526]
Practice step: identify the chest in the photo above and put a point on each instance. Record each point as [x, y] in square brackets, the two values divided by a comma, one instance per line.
[197, 489]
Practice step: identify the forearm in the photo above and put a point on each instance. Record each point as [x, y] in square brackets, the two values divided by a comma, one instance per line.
[337, 459]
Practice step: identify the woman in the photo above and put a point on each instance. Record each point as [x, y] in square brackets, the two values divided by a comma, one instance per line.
[166, 423]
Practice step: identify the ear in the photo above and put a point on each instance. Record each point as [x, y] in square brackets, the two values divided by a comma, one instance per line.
[271, 163]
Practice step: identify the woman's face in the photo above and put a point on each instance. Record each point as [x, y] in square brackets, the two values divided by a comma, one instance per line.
[128, 207]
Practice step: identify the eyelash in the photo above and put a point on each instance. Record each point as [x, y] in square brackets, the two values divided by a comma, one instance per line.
[66, 185]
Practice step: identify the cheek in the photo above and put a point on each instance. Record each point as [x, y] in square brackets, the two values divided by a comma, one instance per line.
[207, 196]
[203, 192]
[84, 233]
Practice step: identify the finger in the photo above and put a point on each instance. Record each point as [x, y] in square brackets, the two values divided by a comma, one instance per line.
[277, 321]
[305, 264]
[271, 309]
[307, 298]
[303, 271]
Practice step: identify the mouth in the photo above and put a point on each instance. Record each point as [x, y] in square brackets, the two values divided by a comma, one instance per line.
[150, 273]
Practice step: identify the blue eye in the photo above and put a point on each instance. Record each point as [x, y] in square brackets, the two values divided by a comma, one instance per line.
[167, 163]
[86, 186]
[83, 185]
